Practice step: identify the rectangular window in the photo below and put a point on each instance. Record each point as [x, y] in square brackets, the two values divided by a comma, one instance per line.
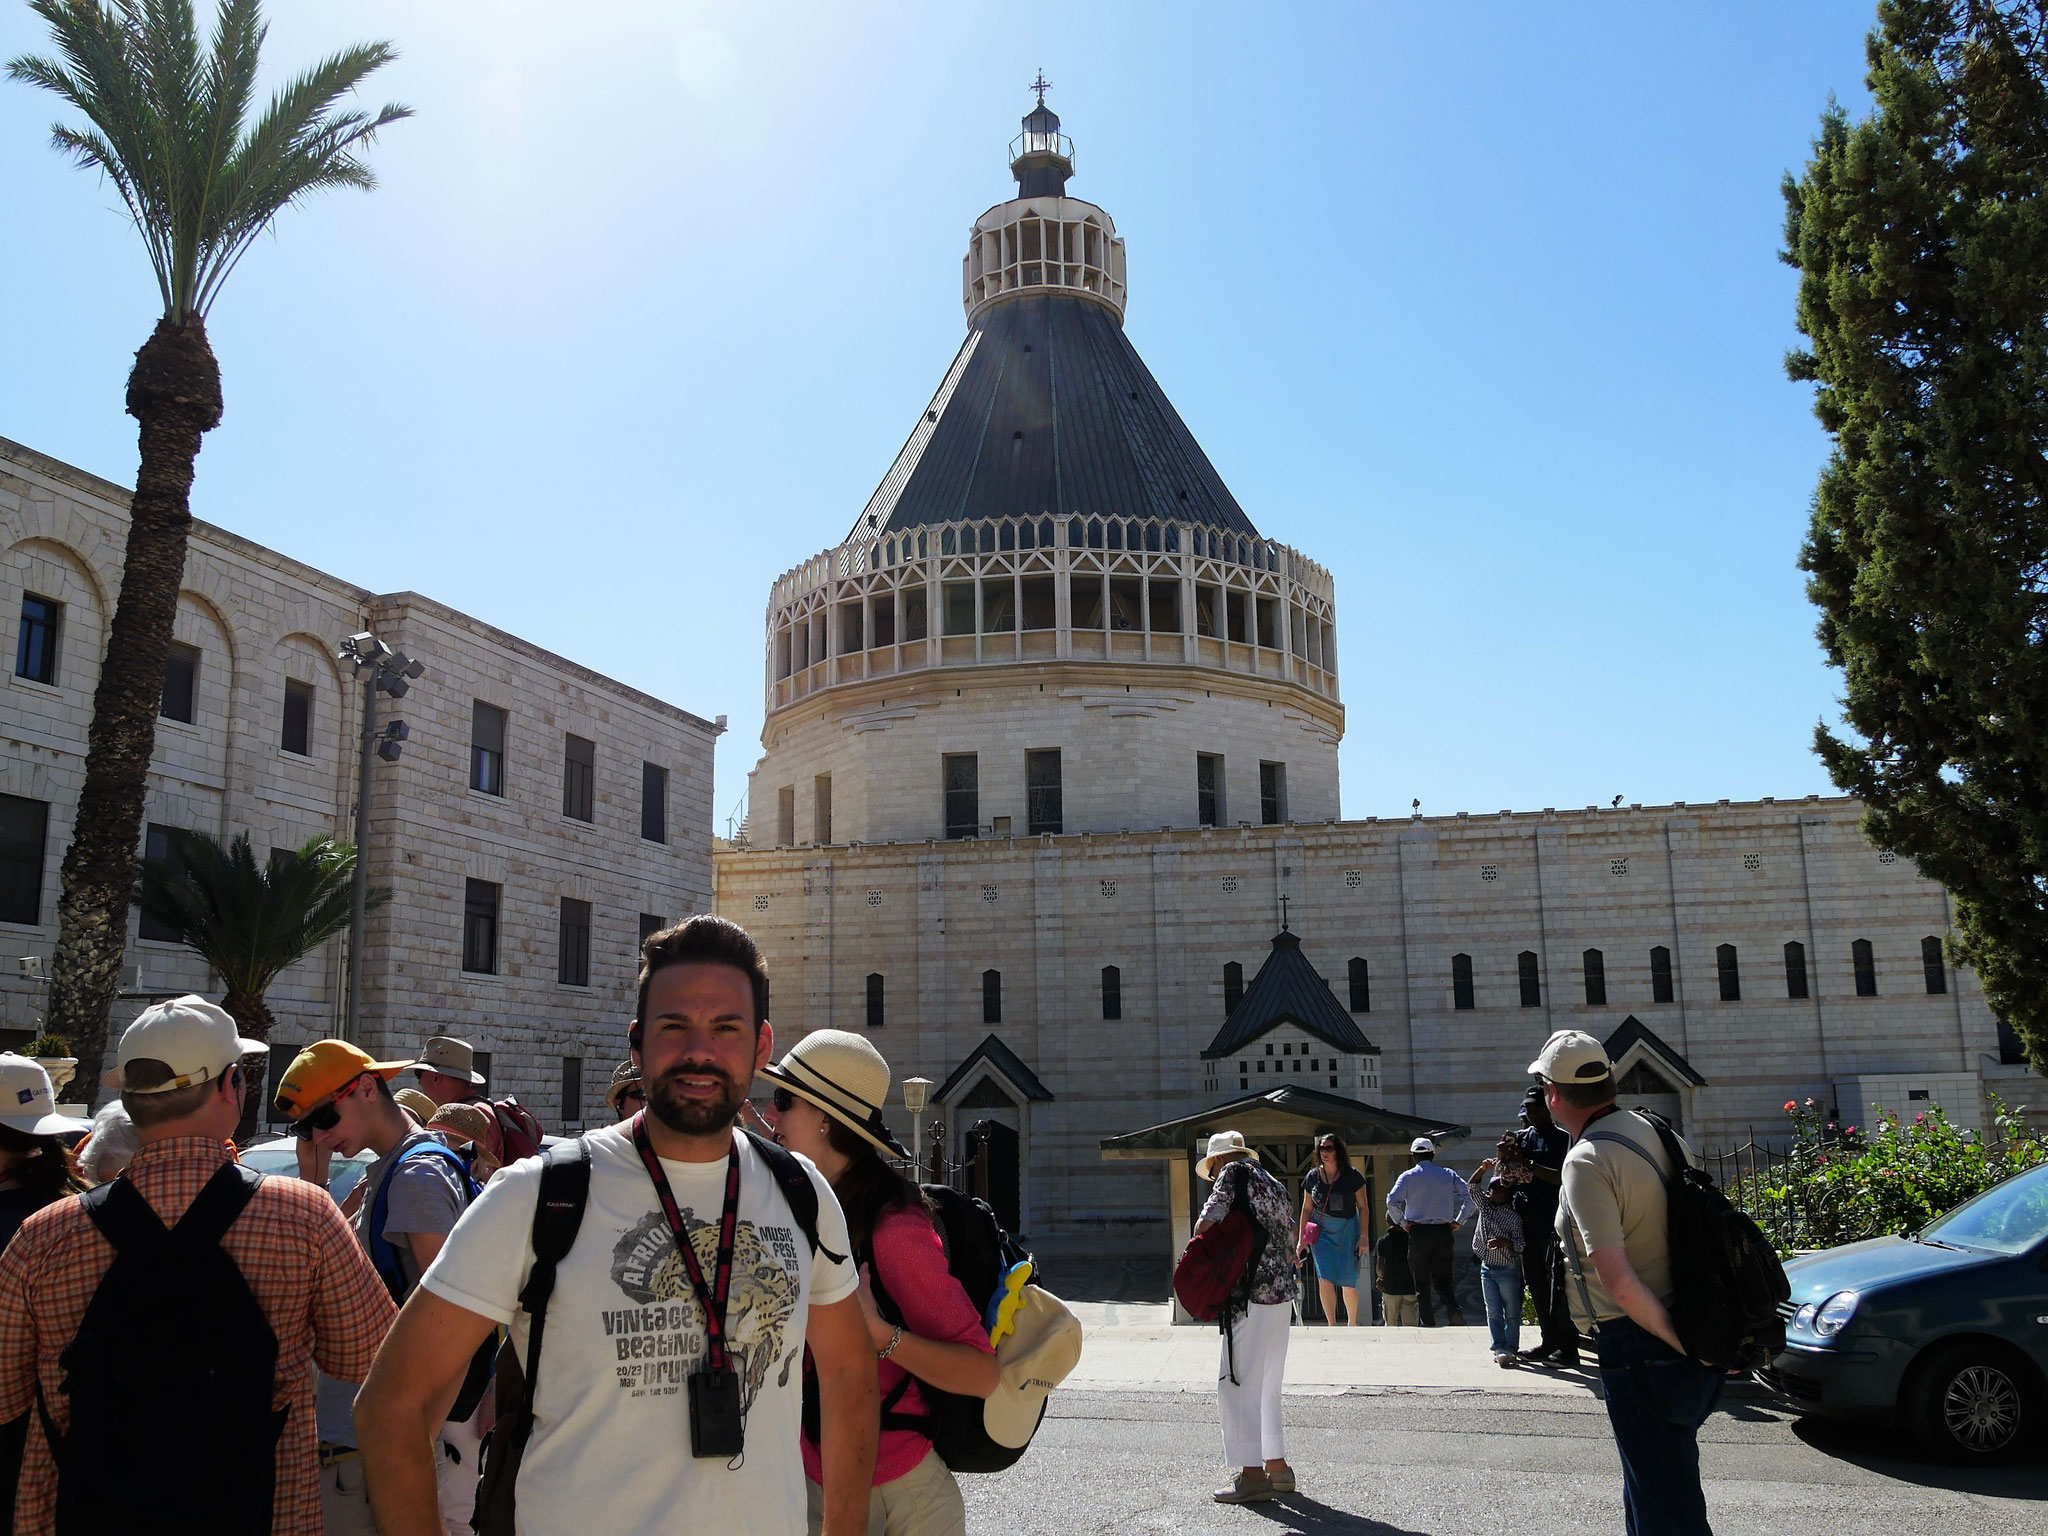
[1039, 610]
[1209, 808]
[1595, 964]
[914, 625]
[1361, 986]
[653, 803]
[35, 646]
[1529, 978]
[958, 597]
[1234, 607]
[1461, 982]
[1112, 992]
[572, 1090]
[998, 606]
[821, 809]
[1660, 975]
[882, 621]
[1272, 794]
[1795, 969]
[480, 927]
[481, 1061]
[157, 849]
[1205, 612]
[1233, 986]
[181, 682]
[963, 794]
[1865, 963]
[486, 748]
[24, 830]
[650, 924]
[579, 778]
[1726, 966]
[1042, 802]
[572, 962]
[1084, 600]
[297, 735]
[785, 816]
[1165, 596]
[876, 1013]
[1934, 965]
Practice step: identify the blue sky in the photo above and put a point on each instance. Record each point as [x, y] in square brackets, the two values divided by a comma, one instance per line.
[1479, 306]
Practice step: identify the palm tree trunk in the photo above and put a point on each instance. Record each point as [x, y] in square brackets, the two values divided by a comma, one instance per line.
[174, 392]
[252, 1016]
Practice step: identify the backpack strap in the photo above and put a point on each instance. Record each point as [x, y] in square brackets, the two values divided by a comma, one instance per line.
[557, 1217]
[384, 1257]
[124, 1218]
[798, 1192]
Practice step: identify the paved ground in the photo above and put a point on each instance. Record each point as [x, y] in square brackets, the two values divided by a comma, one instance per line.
[1389, 1462]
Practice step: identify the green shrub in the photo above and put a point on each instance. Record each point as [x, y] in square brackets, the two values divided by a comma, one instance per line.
[48, 1046]
[1844, 1183]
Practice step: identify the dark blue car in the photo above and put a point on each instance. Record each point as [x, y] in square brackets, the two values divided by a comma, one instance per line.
[1945, 1331]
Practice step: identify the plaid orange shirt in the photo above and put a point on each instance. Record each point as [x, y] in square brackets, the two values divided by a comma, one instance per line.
[324, 1302]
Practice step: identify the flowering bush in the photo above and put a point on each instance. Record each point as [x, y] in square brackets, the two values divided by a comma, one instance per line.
[1843, 1183]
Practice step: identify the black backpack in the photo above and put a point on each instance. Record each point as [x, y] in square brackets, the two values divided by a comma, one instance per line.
[169, 1378]
[384, 1259]
[1726, 1278]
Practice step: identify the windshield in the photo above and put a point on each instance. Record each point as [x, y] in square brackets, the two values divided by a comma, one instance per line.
[281, 1159]
[2008, 1218]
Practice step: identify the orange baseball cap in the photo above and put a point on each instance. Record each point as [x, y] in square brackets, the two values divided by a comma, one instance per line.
[323, 1069]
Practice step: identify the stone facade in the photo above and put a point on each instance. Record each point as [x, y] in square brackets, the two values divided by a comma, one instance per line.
[261, 623]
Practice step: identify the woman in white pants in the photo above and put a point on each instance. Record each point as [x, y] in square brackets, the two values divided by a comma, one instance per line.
[1255, 1345]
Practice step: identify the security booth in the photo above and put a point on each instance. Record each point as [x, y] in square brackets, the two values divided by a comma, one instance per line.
[1281, 1126]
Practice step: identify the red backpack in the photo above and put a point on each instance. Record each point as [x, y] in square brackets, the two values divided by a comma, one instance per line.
[518, 1128]
[1215, 1270]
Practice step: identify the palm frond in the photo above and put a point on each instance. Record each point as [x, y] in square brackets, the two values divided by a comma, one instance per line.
[171, 127]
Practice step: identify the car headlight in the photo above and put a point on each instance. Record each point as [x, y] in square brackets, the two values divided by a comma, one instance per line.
[1834, 1314]
[1803, 1318]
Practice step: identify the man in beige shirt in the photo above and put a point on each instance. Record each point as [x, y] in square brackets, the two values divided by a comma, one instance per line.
[1613, 1223]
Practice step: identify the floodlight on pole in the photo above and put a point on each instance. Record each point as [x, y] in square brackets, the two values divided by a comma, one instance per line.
[379, 667]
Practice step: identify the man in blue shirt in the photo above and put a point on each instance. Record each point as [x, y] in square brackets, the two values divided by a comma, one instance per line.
[1428, 1202]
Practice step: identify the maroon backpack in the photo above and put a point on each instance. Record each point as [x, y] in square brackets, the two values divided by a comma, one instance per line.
[518, 1127]
[1214, 1274]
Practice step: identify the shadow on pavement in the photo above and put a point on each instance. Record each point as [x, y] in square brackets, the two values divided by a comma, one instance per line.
[1895, 1454]
[1123, 1279]
[1299, 1515]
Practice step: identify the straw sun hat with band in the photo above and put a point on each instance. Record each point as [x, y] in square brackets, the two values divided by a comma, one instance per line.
[845, 1077]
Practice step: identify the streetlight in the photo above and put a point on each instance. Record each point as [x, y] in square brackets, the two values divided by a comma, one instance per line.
[380, 667]
[917, 1092]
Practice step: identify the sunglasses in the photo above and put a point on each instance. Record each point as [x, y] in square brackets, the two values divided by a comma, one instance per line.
[633, 1096]
[325, 1117]
[782, 1099]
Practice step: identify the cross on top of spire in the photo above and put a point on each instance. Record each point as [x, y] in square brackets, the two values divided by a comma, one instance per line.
[1040, 85]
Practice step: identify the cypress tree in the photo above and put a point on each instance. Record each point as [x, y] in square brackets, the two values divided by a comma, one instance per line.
[1920, 233]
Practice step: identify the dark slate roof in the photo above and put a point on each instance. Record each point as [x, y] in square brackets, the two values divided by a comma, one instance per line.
[1005, 1061]
[1049, 410]
[1634, 1029]
[1359, 1123]
[1288, 990]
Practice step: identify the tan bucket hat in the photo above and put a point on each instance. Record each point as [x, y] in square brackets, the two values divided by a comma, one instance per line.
[451, 1058]
[844, 1076]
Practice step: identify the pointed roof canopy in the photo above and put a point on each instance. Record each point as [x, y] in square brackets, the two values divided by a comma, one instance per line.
[1633, 1032]
[1288, 990]
[1008, 1064]
[1359, 1123]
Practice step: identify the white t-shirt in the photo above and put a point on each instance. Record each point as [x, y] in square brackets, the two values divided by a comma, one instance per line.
[611, 1437]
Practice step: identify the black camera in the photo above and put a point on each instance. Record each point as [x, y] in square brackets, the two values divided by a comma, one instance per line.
[716, 1428]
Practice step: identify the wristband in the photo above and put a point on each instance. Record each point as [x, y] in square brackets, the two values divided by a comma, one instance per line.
[890, 1348]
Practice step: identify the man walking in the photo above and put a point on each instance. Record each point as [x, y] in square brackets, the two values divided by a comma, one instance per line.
[1612, 1222]
[670, 1387]
[340, 1100]
[1542, 1144]
[174, 1370]
[1429, 1202]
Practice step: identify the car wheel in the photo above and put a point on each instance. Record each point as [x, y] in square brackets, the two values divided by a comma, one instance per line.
[1971, 1403]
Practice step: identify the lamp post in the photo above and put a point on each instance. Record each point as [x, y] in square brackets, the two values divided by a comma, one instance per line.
[380, 668]
[917, 1092]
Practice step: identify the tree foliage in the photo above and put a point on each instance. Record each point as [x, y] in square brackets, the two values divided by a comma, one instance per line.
[1921, 237]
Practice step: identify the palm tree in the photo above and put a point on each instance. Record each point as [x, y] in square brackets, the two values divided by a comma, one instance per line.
[169, 125]
[249, 920]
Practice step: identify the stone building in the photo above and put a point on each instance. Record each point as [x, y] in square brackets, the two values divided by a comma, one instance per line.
[1049, 791]
[539, 818]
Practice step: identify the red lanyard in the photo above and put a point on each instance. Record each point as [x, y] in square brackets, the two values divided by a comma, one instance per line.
[710, 1297]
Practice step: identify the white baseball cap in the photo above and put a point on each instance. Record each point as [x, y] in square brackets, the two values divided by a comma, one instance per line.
[1572, 1056]
[1040, 1355]
[1422, 1144]
[196, 1039]
[27, 1101]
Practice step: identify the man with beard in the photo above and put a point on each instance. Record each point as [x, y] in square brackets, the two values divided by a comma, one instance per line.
[657, 1359]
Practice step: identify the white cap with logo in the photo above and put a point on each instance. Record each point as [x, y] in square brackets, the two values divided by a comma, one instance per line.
[27, 1101]
[1572, 1056]
[196, 1039]
[1040, 1355]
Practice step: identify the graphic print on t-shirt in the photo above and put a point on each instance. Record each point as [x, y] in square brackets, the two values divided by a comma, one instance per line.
[661, 1338]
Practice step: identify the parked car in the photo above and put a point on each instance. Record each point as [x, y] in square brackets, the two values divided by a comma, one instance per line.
[1945, 1331]
[281, 1157]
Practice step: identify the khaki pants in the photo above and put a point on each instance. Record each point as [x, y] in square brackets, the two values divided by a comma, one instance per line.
[344, 1502]
[925, 1501]
[1400, 1311]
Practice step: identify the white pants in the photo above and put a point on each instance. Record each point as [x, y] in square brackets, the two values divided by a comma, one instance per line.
[1252, 1432]
[456, 1479]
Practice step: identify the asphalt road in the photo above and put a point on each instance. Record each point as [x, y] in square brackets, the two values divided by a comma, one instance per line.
[1395, 1463]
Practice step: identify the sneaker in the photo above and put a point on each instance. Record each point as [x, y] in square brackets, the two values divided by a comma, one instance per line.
[1244, 1489]
[1506, 1362]
[1283, 1480]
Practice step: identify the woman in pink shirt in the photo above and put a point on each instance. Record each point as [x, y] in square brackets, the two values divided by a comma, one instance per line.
[829, 1091]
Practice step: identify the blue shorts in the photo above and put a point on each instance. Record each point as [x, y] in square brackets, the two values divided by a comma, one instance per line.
[1336, 1251]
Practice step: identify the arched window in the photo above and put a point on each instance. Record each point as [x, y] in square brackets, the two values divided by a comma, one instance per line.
[920, 546]
[1660, 975]
[1213, 542]
[1075, 535]
[1361, 986]
[1116, 535]
[1233, 985]
[1865, 961]
[946, 537]
[991, 997]
[1795, 969]
[1112, 992]
[1045, 533]
[889, 553]
[1530, 979]
[1133, 539]
[1009, 536]
[1933, 963]
[1152, 537]
[1595, 966]
[1730, 973]
[875, 1018]
[1094, 533]
[1173, 538]
[1461, 981]
[988, 537]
